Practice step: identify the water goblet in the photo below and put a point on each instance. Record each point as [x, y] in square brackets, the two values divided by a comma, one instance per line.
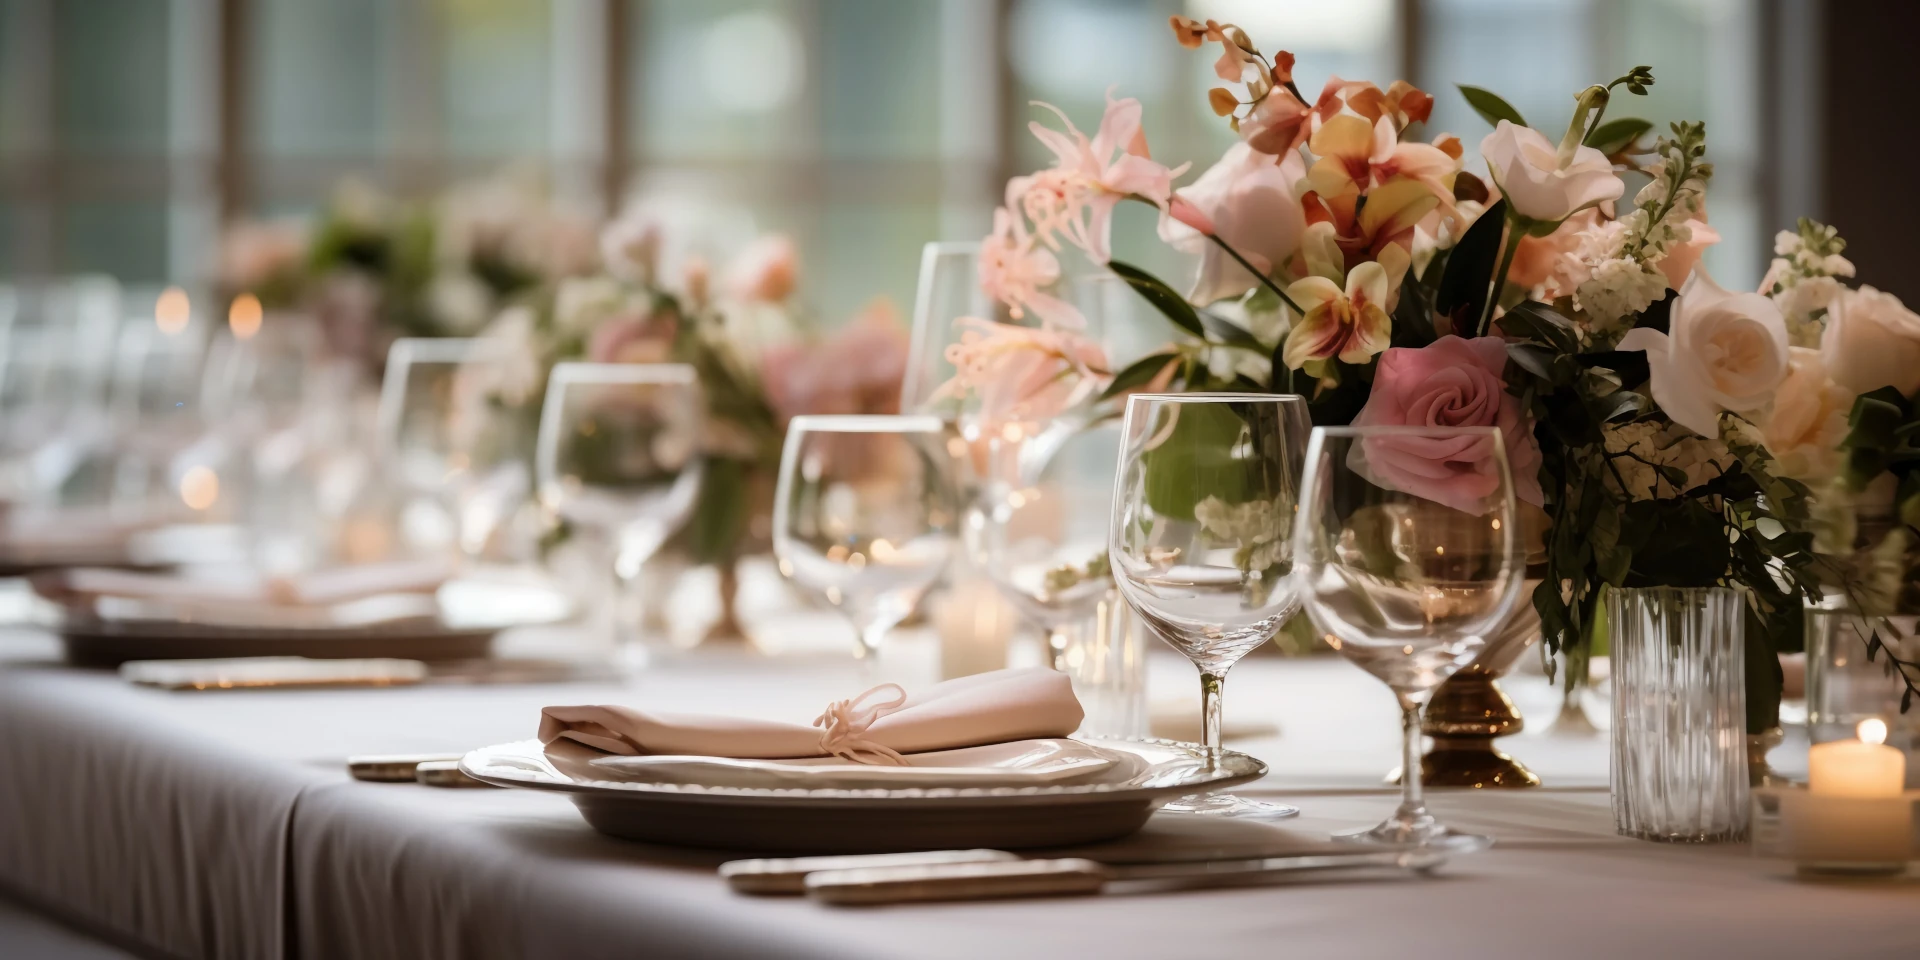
[1408, 560]
[865, 515]
[618, 456]
[1200, 542]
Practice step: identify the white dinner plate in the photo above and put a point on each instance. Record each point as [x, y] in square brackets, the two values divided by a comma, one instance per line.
[1017, 764]
[810, 820]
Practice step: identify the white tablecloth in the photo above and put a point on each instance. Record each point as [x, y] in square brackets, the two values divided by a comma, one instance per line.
[224, 825]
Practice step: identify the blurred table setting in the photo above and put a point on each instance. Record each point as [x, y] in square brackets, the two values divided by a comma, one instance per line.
[476, 577]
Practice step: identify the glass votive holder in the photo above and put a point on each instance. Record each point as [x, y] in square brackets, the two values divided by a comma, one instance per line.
[1845, 688]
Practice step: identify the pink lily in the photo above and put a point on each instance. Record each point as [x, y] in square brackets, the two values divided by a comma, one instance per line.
[1075, 198]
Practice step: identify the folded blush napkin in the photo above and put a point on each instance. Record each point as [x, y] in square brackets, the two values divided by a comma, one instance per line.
[876, 727]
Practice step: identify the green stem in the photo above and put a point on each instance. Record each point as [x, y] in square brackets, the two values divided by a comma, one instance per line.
[1235, 254]
[1499, 284]
[1264, 279]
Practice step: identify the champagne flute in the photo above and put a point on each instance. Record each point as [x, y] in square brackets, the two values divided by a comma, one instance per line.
[865, 515]
[1200, 542]
[1409, 559]
[618, 454]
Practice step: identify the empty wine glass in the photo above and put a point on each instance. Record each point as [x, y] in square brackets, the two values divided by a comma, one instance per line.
[1408, 560]
[1044, 544]
[948, 289]
[433, 406]
[865, 515]
[1200, 541]
[618, 455]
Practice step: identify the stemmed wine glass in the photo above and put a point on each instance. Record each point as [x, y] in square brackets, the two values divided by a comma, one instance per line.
[865, 515]
[618, 455]
[1409, 559]
[451, 444]
[1200, 542]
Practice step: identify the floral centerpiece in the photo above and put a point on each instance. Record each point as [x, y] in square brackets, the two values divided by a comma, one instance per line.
[1656, 420]
[373, 268]
[759, 365]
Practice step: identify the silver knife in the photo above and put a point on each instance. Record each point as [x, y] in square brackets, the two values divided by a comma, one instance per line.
[975, 880]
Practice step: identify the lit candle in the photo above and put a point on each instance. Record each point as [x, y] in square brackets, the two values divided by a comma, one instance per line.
[1862, 769]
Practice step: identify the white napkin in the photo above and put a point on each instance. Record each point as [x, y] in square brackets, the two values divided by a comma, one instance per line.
[317, 589]
[876, 727]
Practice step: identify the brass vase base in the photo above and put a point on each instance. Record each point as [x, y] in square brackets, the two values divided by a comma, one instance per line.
[1466, 715]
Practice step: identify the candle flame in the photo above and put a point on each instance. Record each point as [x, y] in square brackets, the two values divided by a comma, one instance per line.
[244, 316]
[1872, 730]
[171, 311]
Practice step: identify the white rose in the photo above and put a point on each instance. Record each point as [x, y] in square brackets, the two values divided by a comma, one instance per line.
[1808, 420]
[1872, 341]
[630, 247]
[1249, 197]
[1726, 351]
[1525, 165]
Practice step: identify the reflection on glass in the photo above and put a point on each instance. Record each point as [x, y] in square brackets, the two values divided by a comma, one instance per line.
[434, 411]
[1408, 560]
[865, 515]
[1200, 542]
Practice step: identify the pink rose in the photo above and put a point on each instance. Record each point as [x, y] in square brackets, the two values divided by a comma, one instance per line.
[1679, 262]
[1449, 383]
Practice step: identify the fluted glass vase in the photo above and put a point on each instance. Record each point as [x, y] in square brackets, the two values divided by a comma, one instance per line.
[1679, 713]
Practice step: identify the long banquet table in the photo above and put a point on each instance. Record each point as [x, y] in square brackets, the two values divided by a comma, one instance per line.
[224, 824]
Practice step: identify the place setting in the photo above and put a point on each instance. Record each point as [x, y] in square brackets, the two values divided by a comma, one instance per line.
[1118, 464]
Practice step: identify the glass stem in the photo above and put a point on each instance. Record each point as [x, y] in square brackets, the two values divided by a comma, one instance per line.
[1210, 692]
[1413, 804]
[1059, 639]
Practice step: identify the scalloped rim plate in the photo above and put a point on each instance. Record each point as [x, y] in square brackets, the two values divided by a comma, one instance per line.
[1165, 769]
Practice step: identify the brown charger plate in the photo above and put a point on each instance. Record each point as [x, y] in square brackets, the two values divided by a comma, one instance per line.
[832, 821]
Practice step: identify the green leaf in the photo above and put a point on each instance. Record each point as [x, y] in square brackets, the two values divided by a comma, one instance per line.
[1227, 332]
[1615, 135]
[1490, 106]
[1164, 299]
[1196, 461]
[1538, 322]
[1137, 373]
[1463, 288]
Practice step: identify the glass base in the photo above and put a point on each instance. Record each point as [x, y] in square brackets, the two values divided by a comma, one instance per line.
[1228, 805]
[1430, 836]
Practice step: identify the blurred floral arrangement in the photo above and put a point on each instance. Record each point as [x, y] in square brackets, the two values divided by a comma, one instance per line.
[1664, 426]
[758, 363]
[374, 268]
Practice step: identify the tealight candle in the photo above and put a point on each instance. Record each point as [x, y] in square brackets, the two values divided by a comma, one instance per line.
[974, 624]
[1863, 769]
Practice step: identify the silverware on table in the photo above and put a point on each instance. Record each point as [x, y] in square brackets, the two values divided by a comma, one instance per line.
[988, 874]
[393, 768]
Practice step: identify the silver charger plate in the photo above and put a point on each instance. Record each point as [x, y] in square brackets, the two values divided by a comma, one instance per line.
[471, 614]
[825, 821]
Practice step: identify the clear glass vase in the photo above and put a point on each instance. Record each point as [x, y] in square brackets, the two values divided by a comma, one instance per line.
[1679, 713]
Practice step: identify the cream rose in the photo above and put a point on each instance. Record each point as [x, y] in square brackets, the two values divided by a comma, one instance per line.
[1726, 351]
[1872, 341]
[1526, 167]
[1808, 420]
[1248, 199]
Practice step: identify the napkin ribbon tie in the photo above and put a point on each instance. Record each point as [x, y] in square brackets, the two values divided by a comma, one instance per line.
[844, 728]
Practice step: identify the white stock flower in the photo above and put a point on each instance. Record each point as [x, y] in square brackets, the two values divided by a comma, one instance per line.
[1525, 165]
[1725, 351]
[1872, 341]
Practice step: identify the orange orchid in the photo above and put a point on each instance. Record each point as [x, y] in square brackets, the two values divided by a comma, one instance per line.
[1364, 232]
[1356, 156]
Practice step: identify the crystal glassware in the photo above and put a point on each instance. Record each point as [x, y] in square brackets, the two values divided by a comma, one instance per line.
[865, 515]
[1408, 560]
[618, 456]
[434, 402]
[1679, 713]
[1200, 546]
